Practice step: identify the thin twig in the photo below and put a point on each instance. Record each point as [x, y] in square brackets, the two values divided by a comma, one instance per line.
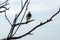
[9, 33]
[2, 11]
[55, 14]
[5, 8]
[23, 23]
[7, 19]
[4, 2]
[21, 4]
[21, 10]
[14, 22]
[4, 5]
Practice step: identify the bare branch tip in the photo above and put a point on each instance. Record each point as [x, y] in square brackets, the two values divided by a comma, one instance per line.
[31, 34]
[8, 8]
[41, 23]
[59, 9]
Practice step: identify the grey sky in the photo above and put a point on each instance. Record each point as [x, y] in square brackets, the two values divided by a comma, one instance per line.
[41, 11]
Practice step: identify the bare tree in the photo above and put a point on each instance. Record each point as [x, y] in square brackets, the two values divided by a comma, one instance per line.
[14, 24]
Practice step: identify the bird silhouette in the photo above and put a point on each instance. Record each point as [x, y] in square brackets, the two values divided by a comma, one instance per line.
[28, 16]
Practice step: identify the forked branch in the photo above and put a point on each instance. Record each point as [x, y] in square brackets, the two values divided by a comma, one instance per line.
[23, 18]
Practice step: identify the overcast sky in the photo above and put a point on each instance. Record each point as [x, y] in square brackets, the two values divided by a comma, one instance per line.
[41, 10]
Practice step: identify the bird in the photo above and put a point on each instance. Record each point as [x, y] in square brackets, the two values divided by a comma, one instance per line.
[28, 16]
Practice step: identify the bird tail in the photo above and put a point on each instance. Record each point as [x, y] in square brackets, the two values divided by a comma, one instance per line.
[26, 21]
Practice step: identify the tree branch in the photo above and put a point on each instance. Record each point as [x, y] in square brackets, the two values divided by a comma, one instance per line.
[2, 11]
[55, 14]
[4, 2]
[23, 23]
[7, 19]
[3, 6]
[13, 26]
[21, 10]
[35, 27]
[21, 4]
[22, 18]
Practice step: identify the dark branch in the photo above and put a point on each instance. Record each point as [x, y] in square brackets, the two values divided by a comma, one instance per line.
[4, 2]
[7, 19]
[19, 24]
[22, 17]
[23, 23]
[3, 6]
[21, 10]
[2, 11]
[55, 14]
[21, 4]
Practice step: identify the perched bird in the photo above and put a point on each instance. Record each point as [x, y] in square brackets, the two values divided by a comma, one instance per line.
[28, 16]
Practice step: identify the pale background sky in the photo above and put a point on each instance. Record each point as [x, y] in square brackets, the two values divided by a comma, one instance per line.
[41, 11]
